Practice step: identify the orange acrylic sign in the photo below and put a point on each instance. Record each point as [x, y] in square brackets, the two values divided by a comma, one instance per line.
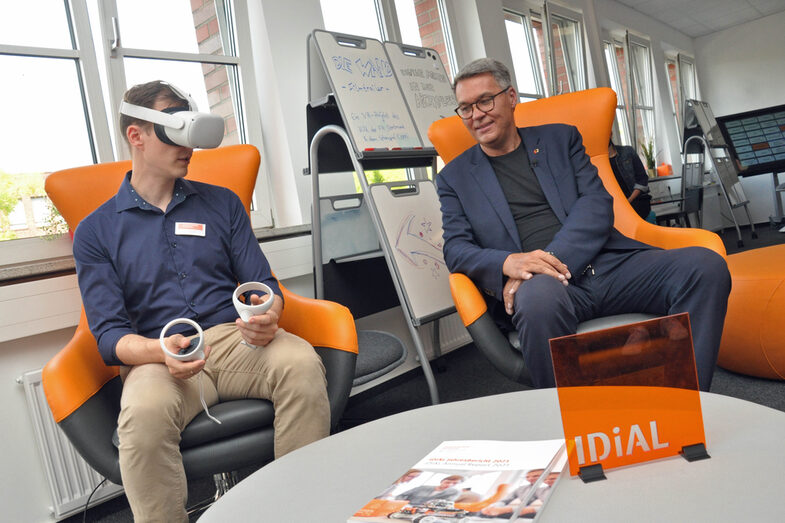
[628, 394]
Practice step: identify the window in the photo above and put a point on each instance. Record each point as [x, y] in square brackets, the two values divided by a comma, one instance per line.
[17, 218]
[43, 64]
[568, 63]
[361, 18]
[433, 28]
[630, 73]
[528, 54]
[671, 70]
[415, 22]
[617, 71]
[681, 76]
[641, 88]
[50, 51]
[40, 206]
[190, 44]
[688, 82]
[546, 62]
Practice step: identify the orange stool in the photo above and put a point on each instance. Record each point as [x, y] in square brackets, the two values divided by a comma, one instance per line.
[753, 341]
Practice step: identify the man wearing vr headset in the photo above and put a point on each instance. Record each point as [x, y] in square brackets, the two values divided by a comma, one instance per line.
[165, 248]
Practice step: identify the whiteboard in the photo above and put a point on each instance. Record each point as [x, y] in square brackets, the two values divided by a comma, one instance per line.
[424, 83]
[365, 88]
[347, 229]
[412, 224]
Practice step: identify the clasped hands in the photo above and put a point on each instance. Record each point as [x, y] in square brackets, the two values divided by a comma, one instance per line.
[521, 266]
[258, 331]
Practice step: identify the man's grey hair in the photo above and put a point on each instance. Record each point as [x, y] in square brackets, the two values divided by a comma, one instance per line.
[485, 65]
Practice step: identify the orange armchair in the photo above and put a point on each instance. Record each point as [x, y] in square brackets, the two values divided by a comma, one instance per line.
[592, 111]
[84, 394]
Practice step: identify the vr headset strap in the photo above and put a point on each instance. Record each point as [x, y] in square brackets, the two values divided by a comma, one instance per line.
[151, 115]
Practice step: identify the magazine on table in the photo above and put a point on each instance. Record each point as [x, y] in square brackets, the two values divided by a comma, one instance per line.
[472, 480]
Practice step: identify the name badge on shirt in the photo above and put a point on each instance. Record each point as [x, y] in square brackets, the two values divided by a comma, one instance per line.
[189, 229]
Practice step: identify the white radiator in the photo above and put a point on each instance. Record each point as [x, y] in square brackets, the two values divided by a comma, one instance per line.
[70, 478]
[452, 334]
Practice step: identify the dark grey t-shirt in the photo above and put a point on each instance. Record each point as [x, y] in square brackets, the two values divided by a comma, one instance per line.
[537, 224]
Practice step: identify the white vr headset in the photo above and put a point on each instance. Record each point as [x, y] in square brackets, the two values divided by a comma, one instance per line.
[180, 125]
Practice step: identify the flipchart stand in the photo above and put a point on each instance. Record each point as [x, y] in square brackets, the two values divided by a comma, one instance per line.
[359, 118]
[699, 117]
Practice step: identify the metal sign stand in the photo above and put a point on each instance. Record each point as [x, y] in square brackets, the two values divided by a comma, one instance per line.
[721, 161]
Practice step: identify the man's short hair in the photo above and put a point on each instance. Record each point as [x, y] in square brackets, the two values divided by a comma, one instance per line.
[485, 65]
[146, 95]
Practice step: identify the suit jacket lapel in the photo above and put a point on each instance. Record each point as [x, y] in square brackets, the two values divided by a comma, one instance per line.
[538, 159]
[486, 180]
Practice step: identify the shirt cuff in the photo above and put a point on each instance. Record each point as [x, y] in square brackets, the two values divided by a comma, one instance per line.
[107, 345]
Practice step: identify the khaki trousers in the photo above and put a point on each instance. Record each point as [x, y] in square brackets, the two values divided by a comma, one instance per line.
[156, 407]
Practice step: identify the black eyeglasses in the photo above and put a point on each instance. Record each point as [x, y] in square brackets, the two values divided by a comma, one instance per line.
[485, 105]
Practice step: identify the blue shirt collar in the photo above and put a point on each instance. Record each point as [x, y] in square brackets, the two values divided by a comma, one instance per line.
[127, 197]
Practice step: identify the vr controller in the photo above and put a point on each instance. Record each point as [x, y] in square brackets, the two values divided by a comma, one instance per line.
[247, 310]
[194, 351]
[181, 125]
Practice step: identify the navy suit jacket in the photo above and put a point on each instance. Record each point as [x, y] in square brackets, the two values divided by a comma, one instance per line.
[480, 232]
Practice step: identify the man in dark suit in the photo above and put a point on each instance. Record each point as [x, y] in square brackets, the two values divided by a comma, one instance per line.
[526, 217]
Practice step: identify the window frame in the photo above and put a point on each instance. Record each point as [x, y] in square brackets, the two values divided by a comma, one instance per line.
[551, 11]
[531, 47]
[621, 124]
[682, 61]
[635, 104]
[679, 63]
[36, 249]
[675, 104]
[544, 13]
[237, 55]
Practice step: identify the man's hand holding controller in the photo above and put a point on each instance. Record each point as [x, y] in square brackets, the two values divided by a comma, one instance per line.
[184, 357]
[258, 321]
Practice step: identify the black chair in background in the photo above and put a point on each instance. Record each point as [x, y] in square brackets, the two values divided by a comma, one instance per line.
[691, 194]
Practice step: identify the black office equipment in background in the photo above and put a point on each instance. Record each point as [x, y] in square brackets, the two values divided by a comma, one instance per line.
[756, 139]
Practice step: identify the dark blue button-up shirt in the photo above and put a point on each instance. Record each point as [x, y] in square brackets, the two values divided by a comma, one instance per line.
[136, 274]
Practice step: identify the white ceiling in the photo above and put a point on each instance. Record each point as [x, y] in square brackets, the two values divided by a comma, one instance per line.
[701, 17]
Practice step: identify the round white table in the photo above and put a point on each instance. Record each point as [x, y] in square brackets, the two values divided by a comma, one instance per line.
[330, 479]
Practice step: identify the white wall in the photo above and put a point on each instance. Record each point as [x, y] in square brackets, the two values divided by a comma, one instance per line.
[478, 31]
[743, 68]
[279, 47]
[24, 494]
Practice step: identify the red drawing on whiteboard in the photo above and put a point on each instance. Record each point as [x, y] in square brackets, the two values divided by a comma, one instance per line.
[419, 245]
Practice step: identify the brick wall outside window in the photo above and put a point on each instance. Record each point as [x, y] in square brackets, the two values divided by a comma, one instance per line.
[216, 79]
[431, 34]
